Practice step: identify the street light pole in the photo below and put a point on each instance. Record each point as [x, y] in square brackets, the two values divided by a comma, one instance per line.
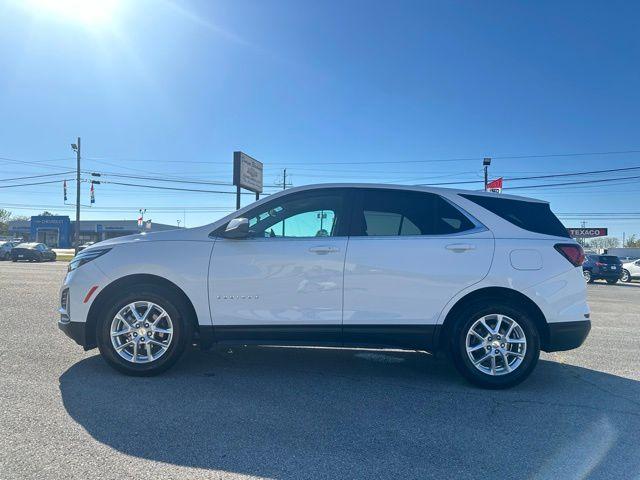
[486, 162]
[76, 147]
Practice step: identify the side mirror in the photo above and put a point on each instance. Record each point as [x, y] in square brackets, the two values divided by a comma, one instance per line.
[237, 228]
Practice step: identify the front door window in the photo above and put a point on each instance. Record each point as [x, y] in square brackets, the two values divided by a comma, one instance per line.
[307, 215]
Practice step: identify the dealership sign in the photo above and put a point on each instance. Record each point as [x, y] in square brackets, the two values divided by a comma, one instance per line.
[587, 232]
[247, 172]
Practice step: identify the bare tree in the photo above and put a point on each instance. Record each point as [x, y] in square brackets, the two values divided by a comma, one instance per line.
[603, 242]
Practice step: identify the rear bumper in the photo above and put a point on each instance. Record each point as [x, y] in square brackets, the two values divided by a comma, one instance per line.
[606, 274]
[567, 335]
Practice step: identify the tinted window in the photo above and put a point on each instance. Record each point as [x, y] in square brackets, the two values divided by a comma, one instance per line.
[399, 212]
[532, 216]
[608, 259]
[316, 213]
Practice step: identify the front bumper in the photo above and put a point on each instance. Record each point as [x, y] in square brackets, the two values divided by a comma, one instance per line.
[77, 331]
[567, 335]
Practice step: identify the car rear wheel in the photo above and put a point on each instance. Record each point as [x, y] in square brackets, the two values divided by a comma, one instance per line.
[587, 276]
[626, 276]
[144, 333]
[495, 345]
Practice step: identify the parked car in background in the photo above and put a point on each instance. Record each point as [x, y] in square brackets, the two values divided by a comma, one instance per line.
[492, 279]
[630, 270]
[5, 249]
[602, 267]
[33, 252]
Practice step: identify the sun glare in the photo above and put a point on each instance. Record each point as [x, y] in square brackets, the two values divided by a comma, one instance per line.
[86, 12]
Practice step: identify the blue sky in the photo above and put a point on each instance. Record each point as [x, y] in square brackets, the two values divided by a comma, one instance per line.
[333, 91]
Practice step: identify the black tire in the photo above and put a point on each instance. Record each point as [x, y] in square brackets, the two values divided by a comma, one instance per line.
[175, 307]
[464, 364]
[612, 281]
[587, 276]
[626, 276]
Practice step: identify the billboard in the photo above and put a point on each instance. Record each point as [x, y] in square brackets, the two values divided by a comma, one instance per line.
[247, 172]
[587, 232]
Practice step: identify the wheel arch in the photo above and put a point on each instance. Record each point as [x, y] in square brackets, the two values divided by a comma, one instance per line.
[502, 294]
[129, 281]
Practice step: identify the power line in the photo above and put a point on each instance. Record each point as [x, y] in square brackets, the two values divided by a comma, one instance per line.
[434, 160]
[161, 179]
[572, 183]
[34, 183]
[538, 177]
[35, 176]
[174, 188]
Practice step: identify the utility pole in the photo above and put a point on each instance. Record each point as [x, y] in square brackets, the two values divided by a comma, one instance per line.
[284, 183]
[485, 163]
[284, 187]
[76, 147]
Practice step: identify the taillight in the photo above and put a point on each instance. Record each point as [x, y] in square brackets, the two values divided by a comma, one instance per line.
[571, 252]
[600, 264]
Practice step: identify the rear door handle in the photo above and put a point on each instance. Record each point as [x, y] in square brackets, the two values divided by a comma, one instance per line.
[323, 250]
[460, 247]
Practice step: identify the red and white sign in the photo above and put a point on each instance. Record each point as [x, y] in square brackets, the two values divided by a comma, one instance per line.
[495, 185]
[139, 221]
[585, 232]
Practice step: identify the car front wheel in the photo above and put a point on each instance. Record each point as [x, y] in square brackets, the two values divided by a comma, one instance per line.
[626, 276]
[495, 346]
[144, 333]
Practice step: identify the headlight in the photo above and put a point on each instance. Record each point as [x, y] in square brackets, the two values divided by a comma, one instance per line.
[86, 256]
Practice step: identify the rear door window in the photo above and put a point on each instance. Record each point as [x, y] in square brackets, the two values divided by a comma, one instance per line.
[391, 212]
[532, 216]
[608, 259]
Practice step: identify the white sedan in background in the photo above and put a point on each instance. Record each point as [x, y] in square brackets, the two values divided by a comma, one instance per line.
[630, 270]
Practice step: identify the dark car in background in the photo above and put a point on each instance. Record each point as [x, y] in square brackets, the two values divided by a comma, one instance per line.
[5, 249]
[602, 267]
[34, 252]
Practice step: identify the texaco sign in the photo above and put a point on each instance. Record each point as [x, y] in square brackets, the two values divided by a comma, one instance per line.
[587, 232]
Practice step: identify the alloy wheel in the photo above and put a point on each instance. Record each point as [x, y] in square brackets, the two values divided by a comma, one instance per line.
[496, 344]
[141, 332]
[587, 275]
[625, 276]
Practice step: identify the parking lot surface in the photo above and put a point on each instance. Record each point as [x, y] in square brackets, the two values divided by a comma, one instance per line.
[310, 412]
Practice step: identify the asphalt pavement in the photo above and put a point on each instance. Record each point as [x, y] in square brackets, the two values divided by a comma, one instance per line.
[303, 413]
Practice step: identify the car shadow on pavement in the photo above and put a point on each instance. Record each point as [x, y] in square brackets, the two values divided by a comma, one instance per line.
[334, 413]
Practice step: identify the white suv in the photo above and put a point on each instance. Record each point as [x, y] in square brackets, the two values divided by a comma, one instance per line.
[492, 279]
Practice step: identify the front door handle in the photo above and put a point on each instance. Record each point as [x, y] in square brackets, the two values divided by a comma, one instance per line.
[460, 247]
[323, 250]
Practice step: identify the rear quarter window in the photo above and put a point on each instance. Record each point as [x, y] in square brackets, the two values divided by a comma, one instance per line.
[532, 216]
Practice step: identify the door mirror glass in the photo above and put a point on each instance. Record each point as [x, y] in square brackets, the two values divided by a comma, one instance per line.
[237, 228]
